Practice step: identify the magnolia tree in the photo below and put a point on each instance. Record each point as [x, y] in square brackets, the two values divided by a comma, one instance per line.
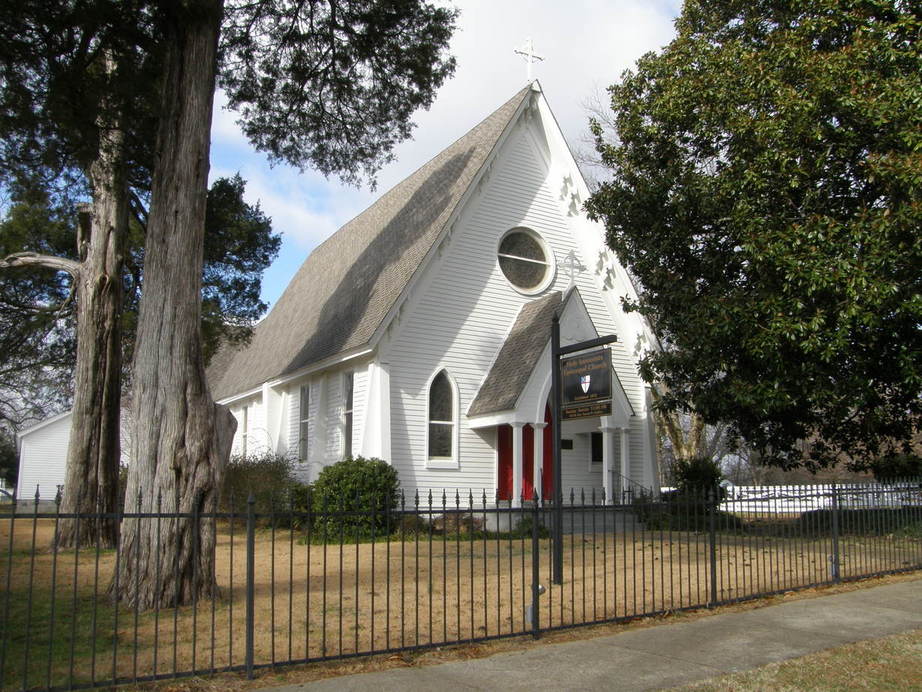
[765, 192]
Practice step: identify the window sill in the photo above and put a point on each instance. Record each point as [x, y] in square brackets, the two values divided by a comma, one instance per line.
[442, 463]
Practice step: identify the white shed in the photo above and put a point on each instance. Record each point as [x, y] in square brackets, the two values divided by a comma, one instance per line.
[43, 457]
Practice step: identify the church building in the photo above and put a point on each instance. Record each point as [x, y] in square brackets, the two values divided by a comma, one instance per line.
[419, 333]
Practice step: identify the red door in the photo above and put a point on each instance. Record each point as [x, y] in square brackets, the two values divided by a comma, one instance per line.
[528, 462]
[504, 452]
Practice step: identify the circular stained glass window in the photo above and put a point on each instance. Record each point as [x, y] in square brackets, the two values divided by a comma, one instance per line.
[523, 259]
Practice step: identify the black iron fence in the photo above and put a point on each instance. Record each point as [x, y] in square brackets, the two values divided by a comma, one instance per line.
[302, 584]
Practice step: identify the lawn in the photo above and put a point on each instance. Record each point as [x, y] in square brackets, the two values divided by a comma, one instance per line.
[314, 601]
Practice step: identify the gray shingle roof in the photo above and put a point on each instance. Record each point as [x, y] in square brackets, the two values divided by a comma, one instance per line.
[343, 291]
[517, 358]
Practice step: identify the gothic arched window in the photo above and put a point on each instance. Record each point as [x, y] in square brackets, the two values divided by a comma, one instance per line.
[442, 420]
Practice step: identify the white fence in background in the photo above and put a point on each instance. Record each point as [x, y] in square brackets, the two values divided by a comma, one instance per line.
[795, 499]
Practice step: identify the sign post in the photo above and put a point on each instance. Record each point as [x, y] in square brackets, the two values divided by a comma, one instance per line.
[580, 380]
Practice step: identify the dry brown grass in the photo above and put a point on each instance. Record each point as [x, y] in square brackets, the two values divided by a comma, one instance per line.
[314, 601]
[891, 663]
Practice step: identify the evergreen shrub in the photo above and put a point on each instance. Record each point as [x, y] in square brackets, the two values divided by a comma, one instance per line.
[523, 528]
[351, 498]
[898, 467]
[697, 476]
[688, 507]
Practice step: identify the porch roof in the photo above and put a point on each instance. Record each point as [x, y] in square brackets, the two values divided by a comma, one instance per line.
[517, 358]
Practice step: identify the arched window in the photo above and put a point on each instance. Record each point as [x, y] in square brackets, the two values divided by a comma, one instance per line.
[442, 423]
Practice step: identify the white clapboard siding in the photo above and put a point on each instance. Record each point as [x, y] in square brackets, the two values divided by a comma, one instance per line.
[43, 458]
[461, 313]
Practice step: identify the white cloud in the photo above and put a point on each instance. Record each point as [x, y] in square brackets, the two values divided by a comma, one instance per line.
[224, 129]
[305, 208]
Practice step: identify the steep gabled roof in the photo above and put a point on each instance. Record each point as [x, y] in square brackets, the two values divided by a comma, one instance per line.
[517, 358]
[347, 286]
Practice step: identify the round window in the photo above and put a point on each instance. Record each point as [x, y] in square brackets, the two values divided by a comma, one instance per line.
[523, 259]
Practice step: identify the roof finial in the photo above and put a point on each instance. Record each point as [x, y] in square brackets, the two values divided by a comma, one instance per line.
[528, 52]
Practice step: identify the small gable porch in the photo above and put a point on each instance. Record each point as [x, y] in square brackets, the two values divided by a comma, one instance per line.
[515, 400]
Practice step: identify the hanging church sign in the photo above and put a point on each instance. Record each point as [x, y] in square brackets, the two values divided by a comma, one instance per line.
[586, 384]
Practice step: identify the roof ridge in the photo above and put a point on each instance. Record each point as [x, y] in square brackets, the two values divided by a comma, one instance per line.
[519, 94]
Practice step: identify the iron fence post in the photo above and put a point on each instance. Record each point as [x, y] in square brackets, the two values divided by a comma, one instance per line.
[5, 635]
[556, 453]
[535, 568]
[251, 570]
[835, 534]
[712, 544]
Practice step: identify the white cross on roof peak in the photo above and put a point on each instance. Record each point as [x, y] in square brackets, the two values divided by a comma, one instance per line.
[527, 50]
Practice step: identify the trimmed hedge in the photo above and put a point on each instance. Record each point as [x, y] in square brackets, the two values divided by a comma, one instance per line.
[679, 510]
[863, 522]
[351, 498]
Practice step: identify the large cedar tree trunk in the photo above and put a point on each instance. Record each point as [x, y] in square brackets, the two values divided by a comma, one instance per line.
[181, 437]
[91, 480]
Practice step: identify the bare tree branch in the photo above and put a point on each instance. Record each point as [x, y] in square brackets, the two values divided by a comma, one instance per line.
[33, 259]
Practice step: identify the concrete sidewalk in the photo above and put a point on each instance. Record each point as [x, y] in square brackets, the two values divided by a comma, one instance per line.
[665, 655]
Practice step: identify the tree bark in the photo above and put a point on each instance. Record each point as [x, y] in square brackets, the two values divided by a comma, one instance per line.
[686, 443]
[182, 439]
[91, 478]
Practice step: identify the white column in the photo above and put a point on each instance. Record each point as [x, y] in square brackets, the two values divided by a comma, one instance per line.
[608, 458]
[517, 464]
[376, 431]
[271, 437]
[537, 473]
[625, 458]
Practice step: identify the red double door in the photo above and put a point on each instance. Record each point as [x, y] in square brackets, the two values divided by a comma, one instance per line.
[504, 444]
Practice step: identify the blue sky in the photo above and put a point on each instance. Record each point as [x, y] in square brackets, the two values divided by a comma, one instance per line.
[586, 44]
